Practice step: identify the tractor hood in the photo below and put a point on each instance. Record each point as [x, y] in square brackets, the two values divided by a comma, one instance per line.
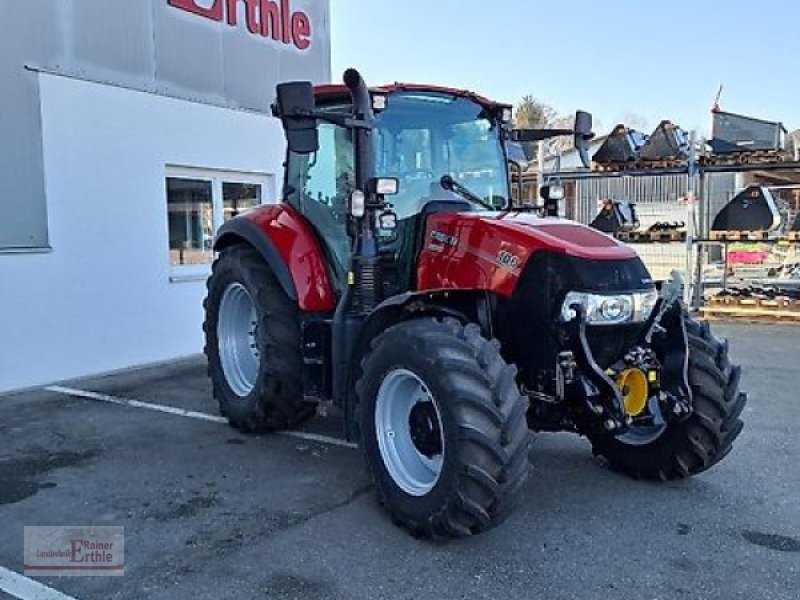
[560, 235]
[489, 250]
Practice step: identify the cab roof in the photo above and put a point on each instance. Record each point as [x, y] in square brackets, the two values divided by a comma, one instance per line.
[331, 91]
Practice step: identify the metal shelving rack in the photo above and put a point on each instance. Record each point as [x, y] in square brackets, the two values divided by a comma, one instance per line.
[696, 170]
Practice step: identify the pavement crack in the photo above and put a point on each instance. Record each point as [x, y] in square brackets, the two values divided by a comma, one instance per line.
[349, 499]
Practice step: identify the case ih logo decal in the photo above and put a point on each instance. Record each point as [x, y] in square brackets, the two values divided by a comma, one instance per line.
[266, 18]
[443, 238]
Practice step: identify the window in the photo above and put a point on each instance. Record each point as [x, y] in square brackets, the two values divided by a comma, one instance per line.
[198, 203]
[238, 198]
[320, 187]
[191, 222]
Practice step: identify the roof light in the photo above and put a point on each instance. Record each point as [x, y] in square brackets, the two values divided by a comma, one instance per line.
[379, 101]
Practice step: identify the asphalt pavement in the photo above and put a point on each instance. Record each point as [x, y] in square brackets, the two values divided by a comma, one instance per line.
[210, 513]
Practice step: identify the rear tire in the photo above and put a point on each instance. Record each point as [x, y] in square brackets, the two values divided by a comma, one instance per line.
[483, 455]
[691, 446]
[262, 392]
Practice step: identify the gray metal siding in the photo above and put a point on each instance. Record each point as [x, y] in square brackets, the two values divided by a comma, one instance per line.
[27, 34]
[141, 44]
[652, 193]
[665, 189]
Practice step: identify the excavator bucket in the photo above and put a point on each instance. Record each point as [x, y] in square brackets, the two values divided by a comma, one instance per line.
[616, 216]
[621, 146]
[752, 209]
[667, 142]
[733, 133]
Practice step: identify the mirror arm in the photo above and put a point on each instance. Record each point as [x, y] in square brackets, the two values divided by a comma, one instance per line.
[340, 120]
[537, 135]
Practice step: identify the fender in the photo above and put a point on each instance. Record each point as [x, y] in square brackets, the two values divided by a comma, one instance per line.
[392, 310]
[290, 248]
[466, 306]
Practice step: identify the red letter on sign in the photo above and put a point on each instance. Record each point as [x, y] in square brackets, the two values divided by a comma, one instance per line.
[251, 8]
[213, 12]
[286, 22]
[301, 30]
[253, 25]
[270, 19]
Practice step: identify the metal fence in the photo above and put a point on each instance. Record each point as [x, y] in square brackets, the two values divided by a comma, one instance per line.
[660, 198]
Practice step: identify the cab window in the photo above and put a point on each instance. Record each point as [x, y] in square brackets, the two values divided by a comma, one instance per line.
[319, 185]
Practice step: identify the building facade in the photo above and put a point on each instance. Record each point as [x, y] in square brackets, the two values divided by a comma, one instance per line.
[131, 131]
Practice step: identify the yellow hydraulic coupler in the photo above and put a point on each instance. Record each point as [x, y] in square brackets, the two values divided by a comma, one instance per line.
[632, 382]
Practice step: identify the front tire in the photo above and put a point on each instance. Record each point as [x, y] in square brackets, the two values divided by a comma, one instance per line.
[252, 331]
[688, 447]
[443, 427]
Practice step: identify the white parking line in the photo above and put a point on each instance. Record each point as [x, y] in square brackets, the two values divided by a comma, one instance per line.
[180, 412]
[136, 404]
[23, 588]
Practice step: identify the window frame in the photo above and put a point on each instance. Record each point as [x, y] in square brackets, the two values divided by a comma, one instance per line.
[216, 177]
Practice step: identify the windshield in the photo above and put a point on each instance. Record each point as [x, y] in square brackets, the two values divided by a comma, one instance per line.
[421, 137]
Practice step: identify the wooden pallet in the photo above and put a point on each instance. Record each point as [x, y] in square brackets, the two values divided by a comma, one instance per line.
[652, 237]
[667, 163]
[758, 157]
[662, 163]
[757, 314]
[613, 167]
[719, 301]
[777, 303]
[744, 308]
[669, 235]
[741, 236]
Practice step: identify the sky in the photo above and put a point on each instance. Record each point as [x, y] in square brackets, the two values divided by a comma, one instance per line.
[658, 60]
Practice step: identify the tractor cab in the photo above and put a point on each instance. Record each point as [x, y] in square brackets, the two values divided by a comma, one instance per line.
[420, 136]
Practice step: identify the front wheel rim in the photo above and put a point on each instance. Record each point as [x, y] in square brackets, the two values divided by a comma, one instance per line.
[641, 435]
[237, 333]
[408, 425]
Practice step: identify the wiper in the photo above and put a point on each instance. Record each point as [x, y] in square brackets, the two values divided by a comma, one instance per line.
[448, 183]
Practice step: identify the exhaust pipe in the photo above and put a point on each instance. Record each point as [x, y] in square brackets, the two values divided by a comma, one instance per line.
[362, 103]
[362, 111]
[361, 294]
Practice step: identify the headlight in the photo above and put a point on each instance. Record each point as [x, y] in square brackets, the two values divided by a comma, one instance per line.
[613, 309]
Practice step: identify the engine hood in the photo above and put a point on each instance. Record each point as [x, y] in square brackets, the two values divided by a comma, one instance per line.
[559, 235]
[489, 250]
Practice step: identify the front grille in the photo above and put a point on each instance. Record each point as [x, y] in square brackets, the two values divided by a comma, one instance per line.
[609, 344]
[528, 323]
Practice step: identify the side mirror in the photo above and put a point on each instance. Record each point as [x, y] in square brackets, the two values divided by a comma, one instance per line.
[583, 135]
[295, 106]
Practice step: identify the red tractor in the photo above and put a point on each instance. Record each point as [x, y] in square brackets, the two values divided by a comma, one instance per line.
[396, 281]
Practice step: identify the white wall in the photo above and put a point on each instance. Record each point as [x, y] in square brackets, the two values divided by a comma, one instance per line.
[102, 299]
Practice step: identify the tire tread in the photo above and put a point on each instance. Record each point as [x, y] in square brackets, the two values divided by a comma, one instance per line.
[482, 383]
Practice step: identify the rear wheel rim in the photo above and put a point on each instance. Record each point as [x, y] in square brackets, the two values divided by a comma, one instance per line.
[408, 426]
[237, 332]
